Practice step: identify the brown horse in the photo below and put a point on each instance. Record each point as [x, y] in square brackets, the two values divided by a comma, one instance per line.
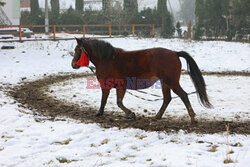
[116, 68]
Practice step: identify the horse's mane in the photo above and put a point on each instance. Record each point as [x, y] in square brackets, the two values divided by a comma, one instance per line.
[103, 50]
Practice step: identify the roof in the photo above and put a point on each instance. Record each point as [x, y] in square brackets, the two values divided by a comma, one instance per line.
[24, 3]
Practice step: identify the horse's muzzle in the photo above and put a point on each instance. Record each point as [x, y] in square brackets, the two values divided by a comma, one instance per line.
[73, 64]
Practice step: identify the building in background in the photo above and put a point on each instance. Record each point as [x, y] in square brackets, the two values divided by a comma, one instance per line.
[10, 12]
[25, 5]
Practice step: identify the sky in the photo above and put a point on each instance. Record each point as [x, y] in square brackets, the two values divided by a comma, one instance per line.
[64, 4]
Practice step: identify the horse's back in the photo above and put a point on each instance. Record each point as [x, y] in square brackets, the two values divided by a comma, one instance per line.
[164, 59]
[147, 61]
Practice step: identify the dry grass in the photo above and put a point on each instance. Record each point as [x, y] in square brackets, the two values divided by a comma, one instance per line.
[65, 142]
[231, 152]
[227, 161]
[141, 137]
[213, 149]
[64, 160]
[105, 141]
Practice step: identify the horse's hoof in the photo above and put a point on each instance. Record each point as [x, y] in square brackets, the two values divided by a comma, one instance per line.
[158, 117]
[99, 114]
[131, 116]
[194, 122]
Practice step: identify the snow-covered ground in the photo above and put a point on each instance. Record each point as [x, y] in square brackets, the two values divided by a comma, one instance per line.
[25, 142]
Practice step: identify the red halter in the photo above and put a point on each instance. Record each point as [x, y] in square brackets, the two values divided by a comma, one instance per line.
[83, 61]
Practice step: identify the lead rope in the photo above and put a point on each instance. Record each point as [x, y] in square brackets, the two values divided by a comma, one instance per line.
[92, 68]
[153, 95]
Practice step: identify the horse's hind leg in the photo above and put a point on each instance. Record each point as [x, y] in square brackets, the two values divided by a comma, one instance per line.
[120, 94]
[184, 97]
[105, 94]
[166, 100]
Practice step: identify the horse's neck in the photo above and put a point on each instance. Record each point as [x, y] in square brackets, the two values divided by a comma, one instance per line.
[93, 59]
[96, 60]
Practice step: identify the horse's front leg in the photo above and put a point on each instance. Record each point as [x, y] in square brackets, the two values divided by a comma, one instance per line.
[105, 94]
[120, 94]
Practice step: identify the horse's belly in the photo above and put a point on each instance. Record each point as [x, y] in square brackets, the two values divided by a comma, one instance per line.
[141, 83]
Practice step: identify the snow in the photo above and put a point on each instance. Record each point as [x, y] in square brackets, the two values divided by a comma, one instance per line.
[26, 142]
[26, 30]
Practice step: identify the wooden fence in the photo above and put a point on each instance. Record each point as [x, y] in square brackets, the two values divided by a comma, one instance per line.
[105, 30]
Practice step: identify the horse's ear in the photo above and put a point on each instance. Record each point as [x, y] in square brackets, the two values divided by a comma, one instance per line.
[79, 41]
[84, 39]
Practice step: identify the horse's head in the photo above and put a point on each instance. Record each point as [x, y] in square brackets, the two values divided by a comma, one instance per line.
[78, 50]
[95, 51]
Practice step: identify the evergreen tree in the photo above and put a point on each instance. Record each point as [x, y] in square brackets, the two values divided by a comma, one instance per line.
[71, 17]
[35, 12]
[199, 18]
[130, 8]
[211, 18]
[25, 18]
[2, 3]
[148, 16]
[79, 5]
[55, 11]
[241, 18]
[215, 22]
[178, 29]
[105, 5]
[165, 20]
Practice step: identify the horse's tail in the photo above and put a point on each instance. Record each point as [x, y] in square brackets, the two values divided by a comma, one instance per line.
[197, 78]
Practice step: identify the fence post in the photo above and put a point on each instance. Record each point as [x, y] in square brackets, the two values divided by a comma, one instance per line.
[20, 32]
[133, 30]
[54, 32]
[83, 31]
[153, 30]
[110, 30]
